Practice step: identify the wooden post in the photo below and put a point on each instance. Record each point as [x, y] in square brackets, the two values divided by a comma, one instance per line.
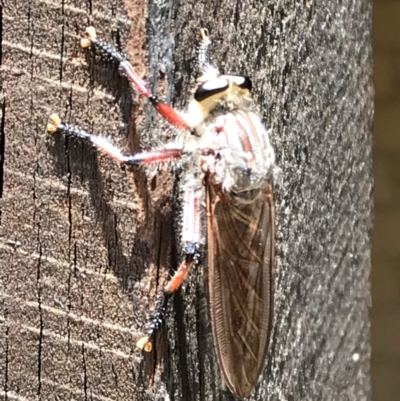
[85, 246]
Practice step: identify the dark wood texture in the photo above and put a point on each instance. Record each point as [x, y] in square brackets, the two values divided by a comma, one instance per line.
[85, 246]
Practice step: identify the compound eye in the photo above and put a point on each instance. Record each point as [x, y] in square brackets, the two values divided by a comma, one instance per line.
[243, 82]
[211, 88]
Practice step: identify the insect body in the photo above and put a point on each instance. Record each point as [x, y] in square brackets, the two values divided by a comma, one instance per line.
[228, 161]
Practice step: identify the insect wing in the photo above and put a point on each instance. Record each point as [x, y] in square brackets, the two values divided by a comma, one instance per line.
[240, 259]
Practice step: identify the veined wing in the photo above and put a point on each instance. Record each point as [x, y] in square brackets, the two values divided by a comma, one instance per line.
[240, 258]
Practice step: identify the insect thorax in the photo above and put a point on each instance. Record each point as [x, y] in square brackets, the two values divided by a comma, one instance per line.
[237, 149]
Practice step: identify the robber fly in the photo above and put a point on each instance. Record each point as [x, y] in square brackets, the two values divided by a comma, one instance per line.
[226, 154]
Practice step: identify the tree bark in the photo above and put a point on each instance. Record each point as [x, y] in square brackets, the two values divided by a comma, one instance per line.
[86, 246]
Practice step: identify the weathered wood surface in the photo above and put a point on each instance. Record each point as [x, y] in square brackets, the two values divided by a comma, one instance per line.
[85, 246]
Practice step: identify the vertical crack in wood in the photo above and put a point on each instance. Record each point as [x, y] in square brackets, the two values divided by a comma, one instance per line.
[2, 145]
[41, 322]
[2, 116]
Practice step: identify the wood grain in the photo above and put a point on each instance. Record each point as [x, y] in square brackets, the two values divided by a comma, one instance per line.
[85, 246]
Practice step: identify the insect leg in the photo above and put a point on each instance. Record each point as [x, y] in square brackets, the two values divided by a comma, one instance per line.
[202, 54]
[106, 147]
[164, 109]
[191, 236]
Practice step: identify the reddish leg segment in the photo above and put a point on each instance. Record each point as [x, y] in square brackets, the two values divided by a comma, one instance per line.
[105, 146]
[164, 109]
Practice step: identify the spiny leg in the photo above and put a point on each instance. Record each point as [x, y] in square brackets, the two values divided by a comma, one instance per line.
[105, 146]
[202, 53]
[164, 109]
[158, 318]
[191, 236]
